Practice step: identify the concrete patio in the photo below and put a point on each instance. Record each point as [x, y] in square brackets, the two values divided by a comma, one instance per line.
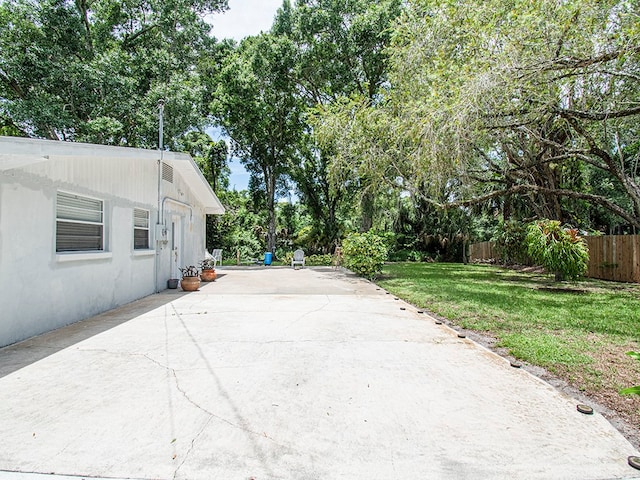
[271, 373]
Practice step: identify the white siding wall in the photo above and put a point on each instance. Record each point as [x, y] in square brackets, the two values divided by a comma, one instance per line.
[41, 290]
[193, 227]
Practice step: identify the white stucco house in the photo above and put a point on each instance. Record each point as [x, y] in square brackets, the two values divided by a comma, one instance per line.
[86, 228]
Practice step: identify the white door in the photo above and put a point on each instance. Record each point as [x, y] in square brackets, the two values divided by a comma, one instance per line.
[176, 246]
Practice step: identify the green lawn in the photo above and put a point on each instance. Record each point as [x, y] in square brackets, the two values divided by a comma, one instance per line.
[578, 330]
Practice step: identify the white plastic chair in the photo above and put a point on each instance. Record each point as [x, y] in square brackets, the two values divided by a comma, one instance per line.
[298, 258]
[217, 255]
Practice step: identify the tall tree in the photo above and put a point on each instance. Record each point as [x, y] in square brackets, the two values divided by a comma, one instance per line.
[255, 101]
[341, 51]
[94, 70]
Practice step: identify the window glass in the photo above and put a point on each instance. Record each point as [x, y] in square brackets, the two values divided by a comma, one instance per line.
[140, 228]
[79, 223]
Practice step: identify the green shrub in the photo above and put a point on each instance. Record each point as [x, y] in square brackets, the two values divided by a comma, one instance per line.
[557, 249]
[286, 258]
[632, 390]
[510, 239]
[319, 260]
[364, 253]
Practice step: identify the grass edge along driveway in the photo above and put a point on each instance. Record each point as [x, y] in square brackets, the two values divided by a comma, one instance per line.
[578, 331]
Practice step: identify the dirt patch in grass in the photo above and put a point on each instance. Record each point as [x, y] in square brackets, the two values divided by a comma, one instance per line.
[601, 381]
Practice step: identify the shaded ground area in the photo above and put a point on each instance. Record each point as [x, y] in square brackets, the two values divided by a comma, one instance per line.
[273, 373]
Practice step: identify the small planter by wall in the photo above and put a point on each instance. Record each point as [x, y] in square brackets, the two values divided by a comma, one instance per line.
[190, 284]
[172, 283]
[208, 275]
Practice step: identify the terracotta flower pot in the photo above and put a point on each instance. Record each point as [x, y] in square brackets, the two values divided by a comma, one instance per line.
[190, 284]
[208, 275]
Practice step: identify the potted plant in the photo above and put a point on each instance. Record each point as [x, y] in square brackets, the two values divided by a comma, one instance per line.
[190, 278]
[208, 270]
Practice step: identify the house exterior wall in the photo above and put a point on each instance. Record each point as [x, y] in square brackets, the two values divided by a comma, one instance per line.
[40, 289]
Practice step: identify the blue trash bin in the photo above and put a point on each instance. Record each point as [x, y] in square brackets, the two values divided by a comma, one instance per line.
[268, 258]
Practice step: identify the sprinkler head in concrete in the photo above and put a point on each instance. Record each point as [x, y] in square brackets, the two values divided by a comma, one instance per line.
[461, 335]
[515, 364]
[634, 462]
[586, 409]
[438, 322]
[420, 311]
[402, 308]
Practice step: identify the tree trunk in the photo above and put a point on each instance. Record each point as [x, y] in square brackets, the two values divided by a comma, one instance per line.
[270, 181]
[366, 205]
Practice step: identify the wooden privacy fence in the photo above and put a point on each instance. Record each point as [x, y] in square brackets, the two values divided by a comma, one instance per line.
[614, 257]
[611, 257]
[483, 252]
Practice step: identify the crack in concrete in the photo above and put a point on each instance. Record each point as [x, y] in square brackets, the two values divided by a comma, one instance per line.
[322, 307]
[222, 419]
[193, 443]
[260, 454]
[211, 414]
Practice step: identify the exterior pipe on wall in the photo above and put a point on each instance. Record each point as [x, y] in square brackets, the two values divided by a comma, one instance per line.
[183, 204]
[159, 216]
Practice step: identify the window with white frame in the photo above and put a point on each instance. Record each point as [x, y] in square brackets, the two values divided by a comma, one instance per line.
[140, 229]
[79, 223]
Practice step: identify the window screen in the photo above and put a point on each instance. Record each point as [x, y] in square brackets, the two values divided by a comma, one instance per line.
[79, 223]
[140, 228]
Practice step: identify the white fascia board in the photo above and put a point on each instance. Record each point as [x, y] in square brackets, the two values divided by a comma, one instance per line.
[17, 152]
[192, 175]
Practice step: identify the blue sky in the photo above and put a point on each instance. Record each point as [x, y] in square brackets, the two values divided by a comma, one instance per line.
[244, 18]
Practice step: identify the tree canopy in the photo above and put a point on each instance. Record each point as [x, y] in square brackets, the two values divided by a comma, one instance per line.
[432, 120]
[94, 70]
[501, 102]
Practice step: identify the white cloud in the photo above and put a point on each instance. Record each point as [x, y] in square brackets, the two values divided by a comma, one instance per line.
[244, 18]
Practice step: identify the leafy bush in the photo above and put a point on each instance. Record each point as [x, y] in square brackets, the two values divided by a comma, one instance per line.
[364, 253]
[510, 239]
[319, 260]
[632, 390]
[286, 258]
[557, 249]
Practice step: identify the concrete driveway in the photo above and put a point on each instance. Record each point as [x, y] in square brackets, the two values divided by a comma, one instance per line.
[271, 373]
